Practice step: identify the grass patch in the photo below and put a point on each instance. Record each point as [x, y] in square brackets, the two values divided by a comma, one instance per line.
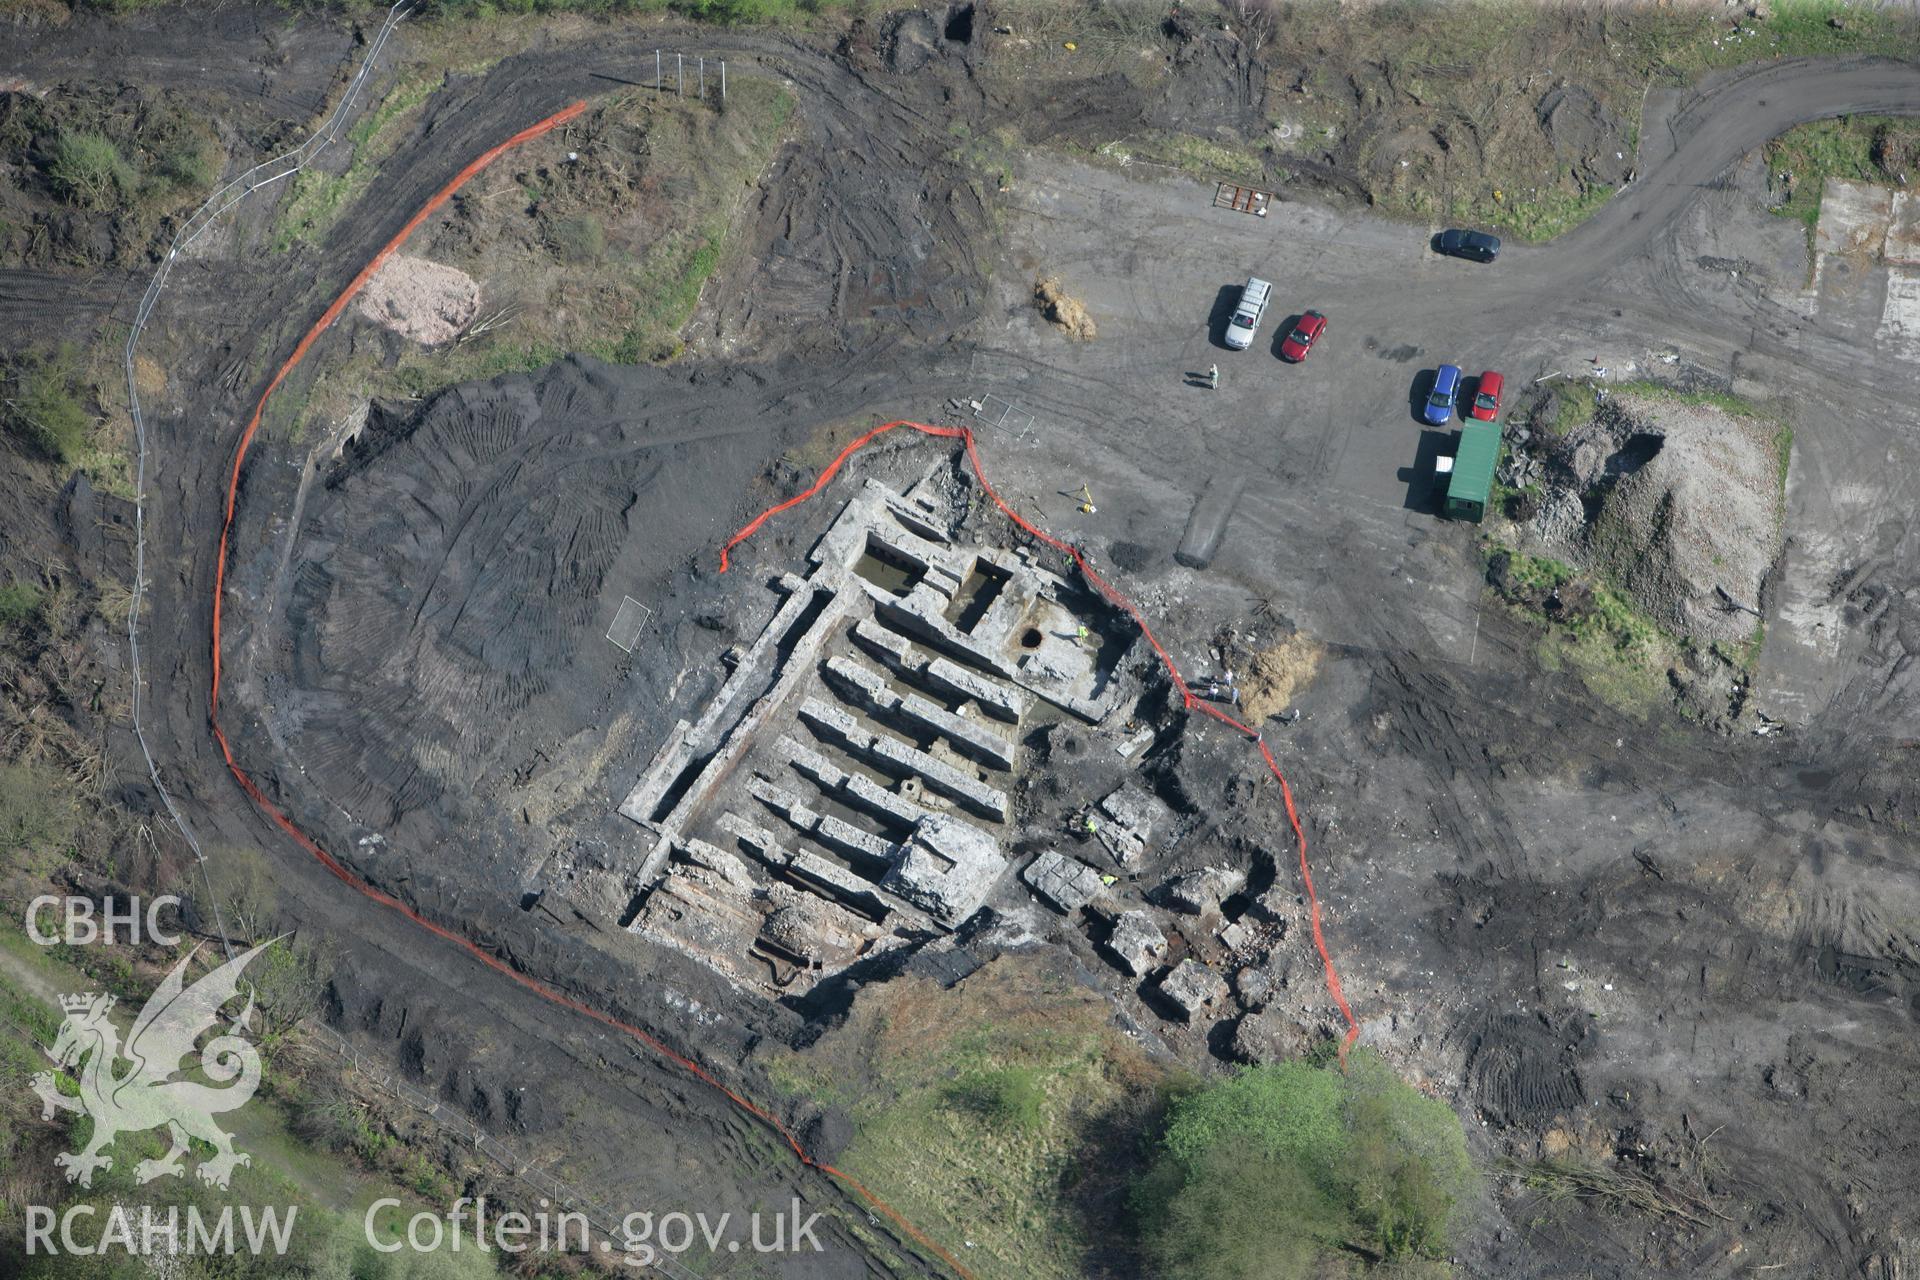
[1574, 403]
[1677, 44]
[1105, 38]
[19, 605]
[1725, 401]
[38, 819]
[1539, 573]
[577, 240]
[721, 12]
[1201, 157]
[1881, 149]
[975, 1110]
[1592, 629]
[1010, 1099]
[1539, 215]
[1283, 1169]
[34, 1016]
[319, 197]
[989, 156]
[669, 281]
[315, 202]
[1816, 29]
[1623, 679]
[1745, 655]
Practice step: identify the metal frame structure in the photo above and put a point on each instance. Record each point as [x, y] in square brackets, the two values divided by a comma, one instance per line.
[1242, 199]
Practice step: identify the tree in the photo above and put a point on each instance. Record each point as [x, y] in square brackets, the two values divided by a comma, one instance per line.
[1264, 1174]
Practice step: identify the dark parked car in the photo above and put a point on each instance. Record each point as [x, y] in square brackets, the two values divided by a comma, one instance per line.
[1296, 344]
[1438, 410]
[1477, 245]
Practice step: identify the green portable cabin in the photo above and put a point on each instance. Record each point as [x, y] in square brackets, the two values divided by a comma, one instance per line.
[1473, 464]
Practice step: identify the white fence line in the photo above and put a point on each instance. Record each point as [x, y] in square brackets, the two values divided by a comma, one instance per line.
[225, 197]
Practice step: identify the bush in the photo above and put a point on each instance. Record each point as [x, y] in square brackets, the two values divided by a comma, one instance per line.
[43, 407]
[191, 165]
[88, 170]
[1261, 1175]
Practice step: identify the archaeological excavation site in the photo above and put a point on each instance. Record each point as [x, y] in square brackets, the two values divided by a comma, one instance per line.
[990, 640]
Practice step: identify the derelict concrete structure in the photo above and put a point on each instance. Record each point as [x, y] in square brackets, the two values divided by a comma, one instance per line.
[847, 790]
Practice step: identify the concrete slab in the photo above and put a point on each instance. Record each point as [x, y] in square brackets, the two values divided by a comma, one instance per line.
[947, 868]
[1136, 943]
[1899, 332]
[1902, 244]
[1853, 218]
[1194, 989]
[1067, 883]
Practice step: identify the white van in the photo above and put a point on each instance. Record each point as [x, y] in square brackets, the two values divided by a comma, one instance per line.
[1246, 316]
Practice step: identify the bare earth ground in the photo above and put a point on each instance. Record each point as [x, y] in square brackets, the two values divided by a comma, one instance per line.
[1642, 937]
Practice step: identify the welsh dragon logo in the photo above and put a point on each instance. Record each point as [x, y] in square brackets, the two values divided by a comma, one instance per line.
[144, 1093]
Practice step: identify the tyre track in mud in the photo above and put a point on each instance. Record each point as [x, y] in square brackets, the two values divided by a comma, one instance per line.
[255, 56]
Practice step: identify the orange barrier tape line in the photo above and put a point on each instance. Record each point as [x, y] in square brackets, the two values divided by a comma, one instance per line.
[338, 869]
[1189, 700]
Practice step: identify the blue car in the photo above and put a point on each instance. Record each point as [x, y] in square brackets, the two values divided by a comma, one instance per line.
[1438, 410]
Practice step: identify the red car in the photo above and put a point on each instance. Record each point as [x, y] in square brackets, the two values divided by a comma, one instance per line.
[1304, 335]
[1486, 396]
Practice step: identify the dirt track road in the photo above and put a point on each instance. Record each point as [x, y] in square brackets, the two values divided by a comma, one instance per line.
[1473, 752]
[1696, 142]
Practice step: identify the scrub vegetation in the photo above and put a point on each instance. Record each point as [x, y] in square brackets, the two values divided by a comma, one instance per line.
[727, 12]
[605, 254]
[990, 1112]
[1008, 1112]
[1303, 1170]
[1881, 149]
[42, 403]
[94, 176]
[1592, 629]
[325, 1196]
[1415, 107]
[319, 196]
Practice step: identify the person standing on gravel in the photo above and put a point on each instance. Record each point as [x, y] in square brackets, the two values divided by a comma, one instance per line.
[1213, 377]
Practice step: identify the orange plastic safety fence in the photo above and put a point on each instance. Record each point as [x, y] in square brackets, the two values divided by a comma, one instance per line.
[340, 871]
[1189, 700]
